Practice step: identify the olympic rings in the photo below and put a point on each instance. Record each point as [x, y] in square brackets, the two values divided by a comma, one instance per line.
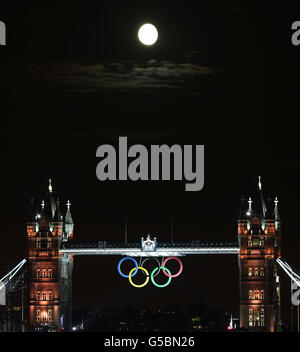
[154, 272]
[179, 271]
[122, 260]
[169, 279]
[146, 281]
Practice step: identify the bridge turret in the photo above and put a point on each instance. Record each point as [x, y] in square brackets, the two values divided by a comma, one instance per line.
[50, 273]
[259, 243]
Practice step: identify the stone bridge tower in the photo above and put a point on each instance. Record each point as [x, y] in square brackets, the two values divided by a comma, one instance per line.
[259, 236]
[50, 273]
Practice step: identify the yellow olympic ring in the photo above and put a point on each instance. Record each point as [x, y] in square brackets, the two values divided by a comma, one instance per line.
[147, 278]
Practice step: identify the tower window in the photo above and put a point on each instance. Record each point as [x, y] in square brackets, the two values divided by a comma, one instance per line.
[38, 273]
[49, 243]
[250, 271]
[262, 271]
[38, 243]
[262, 294]
[50, 315]
[44, 296]
[262, 242]
[38, 317]
[256, 318]
[44, 273]
[50, 273]
[257, 296]
[250, 294]
[256, 241]
[38, 296]
[44, 316]
[256, 271]
[250, 318]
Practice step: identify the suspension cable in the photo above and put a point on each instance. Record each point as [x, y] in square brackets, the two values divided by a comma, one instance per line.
[294, 276]
[13, 272]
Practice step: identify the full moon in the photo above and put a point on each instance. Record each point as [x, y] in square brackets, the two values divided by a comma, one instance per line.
[147, 34]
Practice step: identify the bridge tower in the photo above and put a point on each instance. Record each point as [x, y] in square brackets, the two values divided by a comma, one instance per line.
[259, 236]
[50, 273]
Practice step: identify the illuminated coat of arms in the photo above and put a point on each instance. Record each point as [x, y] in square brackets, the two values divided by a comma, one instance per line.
[148, 245]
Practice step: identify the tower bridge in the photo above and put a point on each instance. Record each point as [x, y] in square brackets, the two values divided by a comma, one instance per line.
[51, 251]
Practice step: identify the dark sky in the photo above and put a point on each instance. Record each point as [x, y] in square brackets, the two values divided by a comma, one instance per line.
[223, 74]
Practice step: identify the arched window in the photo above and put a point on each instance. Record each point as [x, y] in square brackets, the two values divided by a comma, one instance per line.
[44, 316]
[250, 317]
[250, 294]
[50, 315]
[256, 294]
[38, 315]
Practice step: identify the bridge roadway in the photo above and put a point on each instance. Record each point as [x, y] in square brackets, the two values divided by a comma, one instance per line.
[159, 249]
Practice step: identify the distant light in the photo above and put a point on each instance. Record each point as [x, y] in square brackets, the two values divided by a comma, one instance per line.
[248, 213]
[147, 34]
[229, 328]
[74, 328]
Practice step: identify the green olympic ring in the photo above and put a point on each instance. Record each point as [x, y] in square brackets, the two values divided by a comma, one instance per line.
[169, 279]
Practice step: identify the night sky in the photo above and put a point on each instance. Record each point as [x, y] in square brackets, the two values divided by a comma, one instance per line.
[223, 74]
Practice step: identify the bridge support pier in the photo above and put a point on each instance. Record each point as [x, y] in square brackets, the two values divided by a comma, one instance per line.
[66, 272]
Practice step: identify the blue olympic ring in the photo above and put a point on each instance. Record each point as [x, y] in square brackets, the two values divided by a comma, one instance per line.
[135, 263]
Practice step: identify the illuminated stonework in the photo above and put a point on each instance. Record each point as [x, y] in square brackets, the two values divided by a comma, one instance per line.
[50, 272]
[259, 235]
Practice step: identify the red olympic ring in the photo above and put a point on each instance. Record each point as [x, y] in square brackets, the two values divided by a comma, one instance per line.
[180, 269]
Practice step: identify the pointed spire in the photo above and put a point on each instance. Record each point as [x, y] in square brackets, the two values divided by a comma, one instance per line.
[276, 211]
[249, 211]
[259, 182]
[69, 225]
[50, 186]
[45, 211]
[262, 204]
[269, 213]
[57, 215]
[68, 217]
[52, 202]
